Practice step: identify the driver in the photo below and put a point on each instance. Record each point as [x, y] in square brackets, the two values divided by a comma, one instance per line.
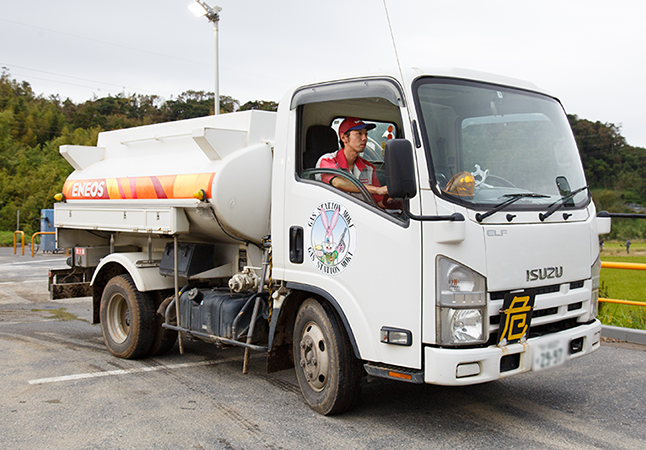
[353, 134]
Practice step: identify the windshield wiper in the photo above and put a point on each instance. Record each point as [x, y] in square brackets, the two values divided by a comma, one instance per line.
[559, 204]
[513, 199]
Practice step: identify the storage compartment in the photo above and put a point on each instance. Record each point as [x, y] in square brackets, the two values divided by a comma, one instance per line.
[191, 259]
[92, 256]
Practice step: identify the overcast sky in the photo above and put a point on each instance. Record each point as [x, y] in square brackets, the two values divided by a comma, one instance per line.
[589, 53]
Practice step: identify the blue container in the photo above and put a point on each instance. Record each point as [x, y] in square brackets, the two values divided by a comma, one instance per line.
[47, 241]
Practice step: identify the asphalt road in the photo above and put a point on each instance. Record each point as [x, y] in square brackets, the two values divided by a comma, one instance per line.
[61, 389]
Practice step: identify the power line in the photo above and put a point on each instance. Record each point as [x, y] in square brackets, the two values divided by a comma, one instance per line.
[75, 78]
[61, 75]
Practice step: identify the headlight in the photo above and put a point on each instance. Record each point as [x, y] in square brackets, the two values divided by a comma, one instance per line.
[462, 326]
[594, 298]
[461, 304]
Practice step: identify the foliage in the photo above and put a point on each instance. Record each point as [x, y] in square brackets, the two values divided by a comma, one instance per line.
[622, 316]
[609, 162]
[617, 201]
[260, 105]
[190, 104]
[32, 128]
[616, 174]
[6, 238]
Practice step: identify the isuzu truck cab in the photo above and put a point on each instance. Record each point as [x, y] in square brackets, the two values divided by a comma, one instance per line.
[484, 263]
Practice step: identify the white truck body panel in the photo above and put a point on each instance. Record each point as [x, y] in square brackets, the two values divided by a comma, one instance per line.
[127, 218]
[442, 365]
[146, 278]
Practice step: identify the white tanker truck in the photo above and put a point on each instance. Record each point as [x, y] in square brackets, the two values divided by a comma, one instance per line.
[485, 266]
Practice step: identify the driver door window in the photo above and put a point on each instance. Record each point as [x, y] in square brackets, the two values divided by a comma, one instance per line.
[322, 141]
[377, 138]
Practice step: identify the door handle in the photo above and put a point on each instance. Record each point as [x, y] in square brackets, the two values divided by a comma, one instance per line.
[296, 245]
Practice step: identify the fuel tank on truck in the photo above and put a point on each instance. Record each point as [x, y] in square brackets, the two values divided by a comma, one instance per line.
[143, 179]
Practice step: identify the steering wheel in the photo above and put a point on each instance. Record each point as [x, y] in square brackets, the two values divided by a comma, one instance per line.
[505, 181]
[366, 196]
[441, 179]
[484, 175]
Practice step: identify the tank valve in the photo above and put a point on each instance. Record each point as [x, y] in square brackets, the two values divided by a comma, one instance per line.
[246, 280]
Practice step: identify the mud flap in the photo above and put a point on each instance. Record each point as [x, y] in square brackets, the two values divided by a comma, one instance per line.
[69, 283]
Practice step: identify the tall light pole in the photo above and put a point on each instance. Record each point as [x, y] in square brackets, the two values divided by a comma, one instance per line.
[200, 8]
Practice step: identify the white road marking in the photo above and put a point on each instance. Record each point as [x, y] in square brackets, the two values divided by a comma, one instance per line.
[29, 321]
[73, 300]
[23, 282]
[39, 261]
[82, 376]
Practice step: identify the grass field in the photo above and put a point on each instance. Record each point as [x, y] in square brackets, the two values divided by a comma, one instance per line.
[6, 238]
[623, 285]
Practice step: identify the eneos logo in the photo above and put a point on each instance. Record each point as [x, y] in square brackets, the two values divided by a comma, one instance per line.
[89, 189]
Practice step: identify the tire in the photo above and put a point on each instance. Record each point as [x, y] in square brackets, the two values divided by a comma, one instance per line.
[164, 338]
[127, 318]
[327, 371]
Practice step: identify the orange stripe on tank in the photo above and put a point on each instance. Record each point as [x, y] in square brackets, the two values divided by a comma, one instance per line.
[148, 187]
[167, 182]
[145, 188]
[124, 184]
[186, 185]
[113, 188]
[66, 188]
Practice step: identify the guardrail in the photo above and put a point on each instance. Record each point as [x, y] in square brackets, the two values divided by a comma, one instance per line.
[33, 236]
[15, 241]
[624, 266]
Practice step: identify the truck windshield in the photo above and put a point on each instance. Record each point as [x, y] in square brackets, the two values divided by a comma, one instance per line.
[486, 143]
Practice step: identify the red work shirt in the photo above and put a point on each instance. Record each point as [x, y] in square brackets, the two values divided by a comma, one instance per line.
[363, 170]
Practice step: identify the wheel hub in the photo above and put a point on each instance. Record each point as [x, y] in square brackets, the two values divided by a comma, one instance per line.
[314, 356]
[118, 318]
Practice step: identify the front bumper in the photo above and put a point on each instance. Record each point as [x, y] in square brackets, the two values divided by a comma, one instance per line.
[458, 367]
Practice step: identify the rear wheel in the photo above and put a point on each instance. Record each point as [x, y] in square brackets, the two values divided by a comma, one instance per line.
[327, 370]
[164, 338]
[127, 318]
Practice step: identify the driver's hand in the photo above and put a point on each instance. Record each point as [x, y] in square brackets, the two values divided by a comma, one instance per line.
[392, 204]
[379, 190]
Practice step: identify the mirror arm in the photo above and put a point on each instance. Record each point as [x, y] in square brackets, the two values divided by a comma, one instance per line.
[455, 217]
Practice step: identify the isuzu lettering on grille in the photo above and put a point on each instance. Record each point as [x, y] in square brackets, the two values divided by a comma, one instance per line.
[544, 273]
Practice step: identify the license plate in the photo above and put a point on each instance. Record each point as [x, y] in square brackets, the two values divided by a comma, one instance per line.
[549, 354]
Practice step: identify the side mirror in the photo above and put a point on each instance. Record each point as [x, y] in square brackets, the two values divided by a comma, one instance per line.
[400, 169]
[603, 223]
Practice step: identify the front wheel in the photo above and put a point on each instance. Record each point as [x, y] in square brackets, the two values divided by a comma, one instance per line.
[127, 318]
[328, 372]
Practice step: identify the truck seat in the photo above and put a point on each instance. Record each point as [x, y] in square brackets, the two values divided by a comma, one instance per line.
[320, 139]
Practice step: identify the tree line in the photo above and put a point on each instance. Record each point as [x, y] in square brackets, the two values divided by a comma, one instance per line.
[33, 127]
[616, 174]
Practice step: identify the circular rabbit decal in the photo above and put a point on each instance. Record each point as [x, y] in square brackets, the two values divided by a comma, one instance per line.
[332, 238]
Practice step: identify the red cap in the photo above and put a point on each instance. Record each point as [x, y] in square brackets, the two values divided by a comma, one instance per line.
[352, 123]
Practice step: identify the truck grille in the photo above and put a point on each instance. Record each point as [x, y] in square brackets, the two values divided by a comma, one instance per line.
[500, 295]
[546, 318]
